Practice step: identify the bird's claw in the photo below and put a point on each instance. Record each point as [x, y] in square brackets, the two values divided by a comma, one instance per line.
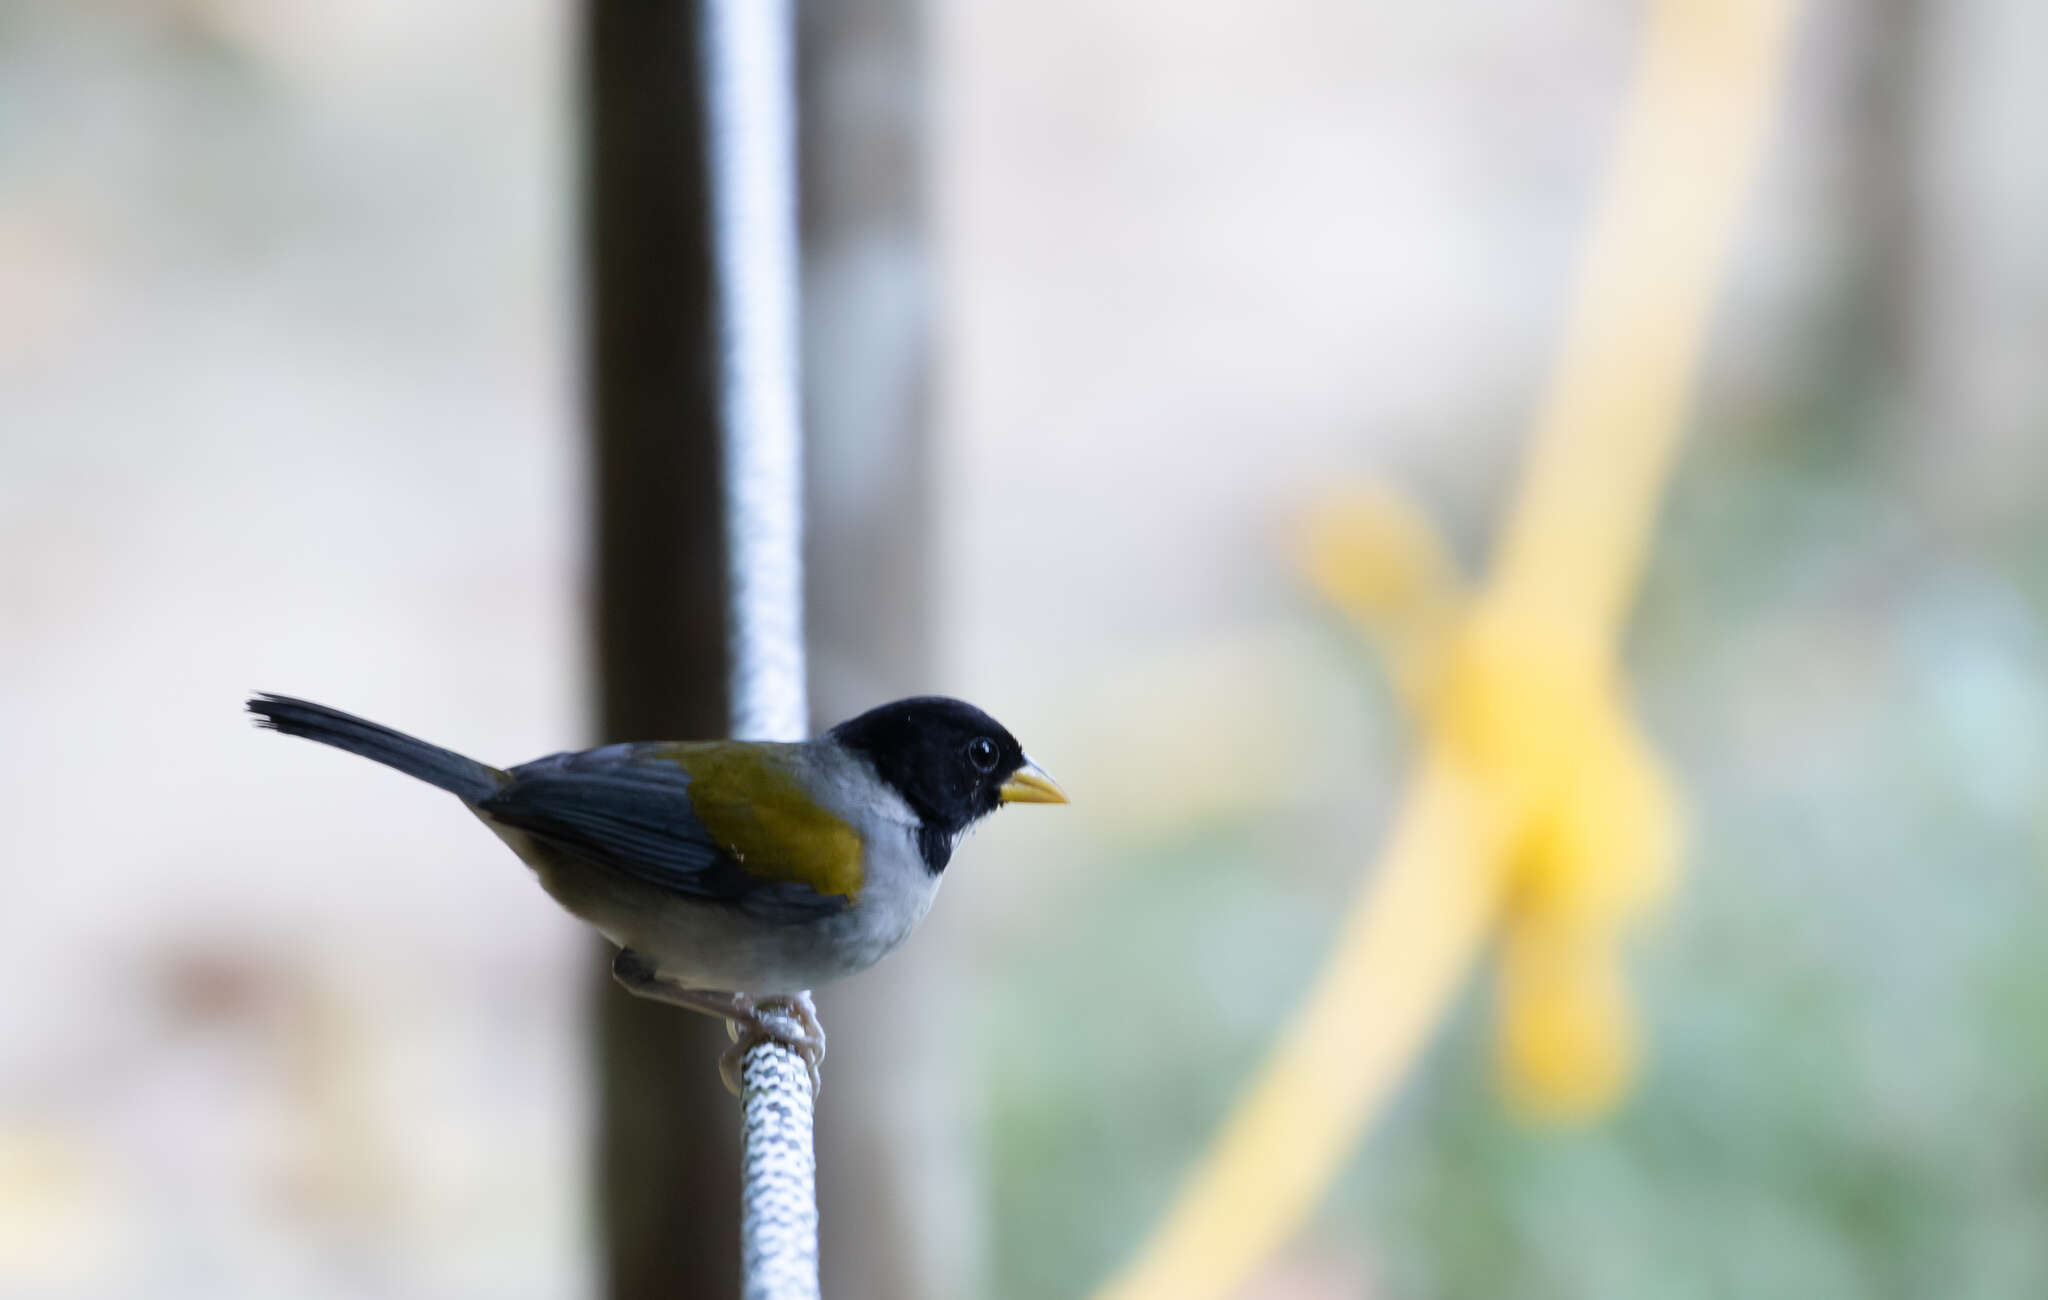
[791, 1021]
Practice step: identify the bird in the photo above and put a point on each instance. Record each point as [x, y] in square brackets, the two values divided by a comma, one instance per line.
[733, 876]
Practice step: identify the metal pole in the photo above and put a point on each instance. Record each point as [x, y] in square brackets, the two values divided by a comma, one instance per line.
[750, 129]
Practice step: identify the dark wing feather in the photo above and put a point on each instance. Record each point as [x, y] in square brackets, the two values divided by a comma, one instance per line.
[626, 808]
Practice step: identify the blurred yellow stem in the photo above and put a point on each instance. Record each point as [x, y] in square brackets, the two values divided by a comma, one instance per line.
[1414, 930]
[1569, 559]
[1611, 418]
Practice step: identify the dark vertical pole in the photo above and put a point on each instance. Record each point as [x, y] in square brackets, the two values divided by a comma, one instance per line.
[895, 1186]
[668, 1150]
[1885, 175]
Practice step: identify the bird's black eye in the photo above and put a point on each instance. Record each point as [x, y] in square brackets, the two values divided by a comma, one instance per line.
[981, 751]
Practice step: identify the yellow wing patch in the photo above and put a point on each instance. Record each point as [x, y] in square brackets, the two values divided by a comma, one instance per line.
[750, 802]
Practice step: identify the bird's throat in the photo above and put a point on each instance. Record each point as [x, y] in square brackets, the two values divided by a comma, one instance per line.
[935, 846]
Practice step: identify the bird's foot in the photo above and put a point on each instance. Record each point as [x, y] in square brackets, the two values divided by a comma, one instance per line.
[791, 1020]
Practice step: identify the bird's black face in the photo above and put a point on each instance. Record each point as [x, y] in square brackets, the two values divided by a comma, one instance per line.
[952, 763]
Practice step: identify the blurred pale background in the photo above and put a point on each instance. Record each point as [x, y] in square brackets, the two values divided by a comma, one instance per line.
[288, 384]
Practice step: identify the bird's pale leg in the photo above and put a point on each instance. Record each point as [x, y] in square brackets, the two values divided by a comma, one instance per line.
[791, 1020]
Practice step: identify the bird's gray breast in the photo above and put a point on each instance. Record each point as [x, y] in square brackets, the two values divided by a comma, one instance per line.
[897, 888]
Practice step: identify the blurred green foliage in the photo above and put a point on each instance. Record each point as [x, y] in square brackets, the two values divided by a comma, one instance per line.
[1847, 1092]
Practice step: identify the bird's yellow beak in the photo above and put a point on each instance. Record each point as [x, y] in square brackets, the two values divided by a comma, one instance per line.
[1030, 784]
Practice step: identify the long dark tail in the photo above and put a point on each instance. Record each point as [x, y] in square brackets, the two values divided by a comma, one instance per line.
[462, 777]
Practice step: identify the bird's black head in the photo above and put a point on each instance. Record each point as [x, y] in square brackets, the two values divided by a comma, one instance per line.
[952, 763]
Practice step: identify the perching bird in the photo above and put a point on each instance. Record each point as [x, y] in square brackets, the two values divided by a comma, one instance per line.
[733, 875]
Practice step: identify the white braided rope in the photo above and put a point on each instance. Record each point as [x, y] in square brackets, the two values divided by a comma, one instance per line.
[751, 129]
[779, 1172]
